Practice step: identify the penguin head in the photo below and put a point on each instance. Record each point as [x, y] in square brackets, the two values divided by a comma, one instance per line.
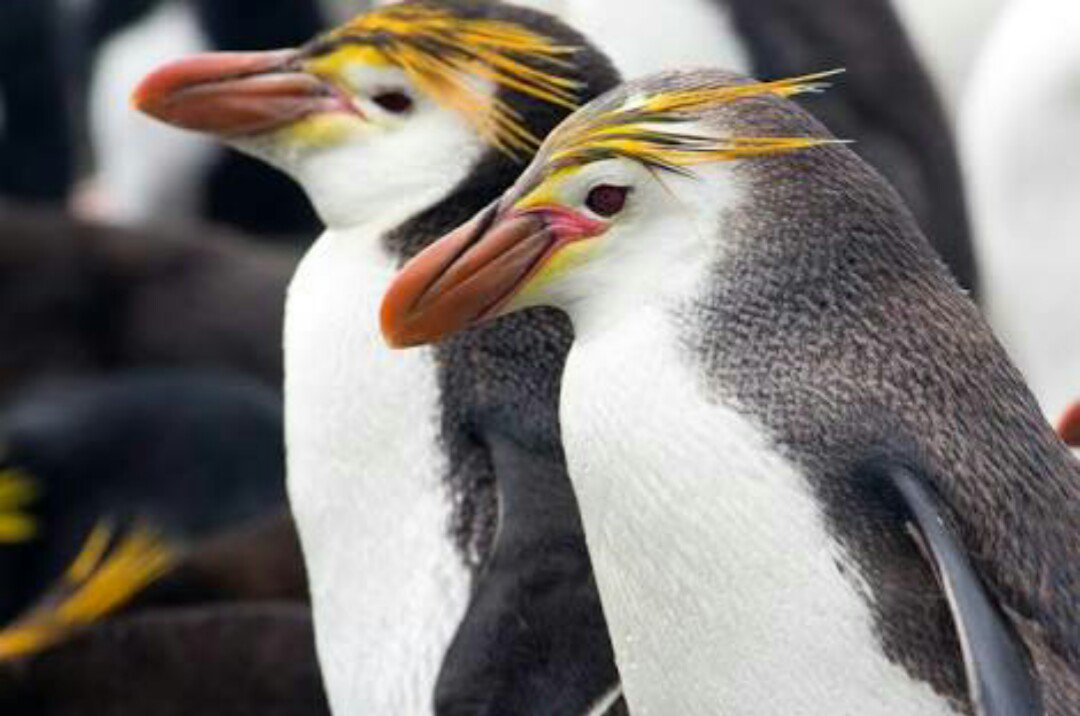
[397, 104]
[625, 198]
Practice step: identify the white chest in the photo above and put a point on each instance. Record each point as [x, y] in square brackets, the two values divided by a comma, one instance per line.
[364, 474]
[720, 584]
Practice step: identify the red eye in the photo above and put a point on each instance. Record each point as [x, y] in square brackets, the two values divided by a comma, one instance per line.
[607, 200]
[393, 101]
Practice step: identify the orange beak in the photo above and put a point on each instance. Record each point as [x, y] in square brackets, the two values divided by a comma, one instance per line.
[1069, 427]
[465, 277]
[473, 273]
[236, 94]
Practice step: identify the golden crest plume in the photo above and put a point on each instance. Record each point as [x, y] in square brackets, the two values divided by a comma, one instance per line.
[17, 491]
[644, 128]
[444, 53]
[108, 572]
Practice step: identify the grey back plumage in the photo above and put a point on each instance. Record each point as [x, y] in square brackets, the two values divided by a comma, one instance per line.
[833, 323]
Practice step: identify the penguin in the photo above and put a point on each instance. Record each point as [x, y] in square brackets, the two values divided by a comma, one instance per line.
[444, 551]
[82, 299]
[1018, 126]
[811, 480]
[179, 456]
[146, 174]
[910, 142]
[222, 659]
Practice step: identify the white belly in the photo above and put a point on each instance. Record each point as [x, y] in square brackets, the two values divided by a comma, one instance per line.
[365, 469]
[718, 579]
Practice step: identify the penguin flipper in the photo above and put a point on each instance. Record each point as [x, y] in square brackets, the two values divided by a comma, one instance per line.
[999, 673]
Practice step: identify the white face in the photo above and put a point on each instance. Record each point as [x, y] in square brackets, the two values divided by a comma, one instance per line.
[656, 233]
[398, 153]
[599, 240]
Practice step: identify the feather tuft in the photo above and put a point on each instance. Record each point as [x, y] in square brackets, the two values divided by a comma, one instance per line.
[108, 572]
[645, 129]
[445, 54]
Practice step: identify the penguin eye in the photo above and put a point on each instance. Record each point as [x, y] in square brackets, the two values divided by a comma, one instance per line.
[607, 200]
[393, 101]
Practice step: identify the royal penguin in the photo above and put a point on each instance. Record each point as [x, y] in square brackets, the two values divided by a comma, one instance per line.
[811, 480]
[444, 550]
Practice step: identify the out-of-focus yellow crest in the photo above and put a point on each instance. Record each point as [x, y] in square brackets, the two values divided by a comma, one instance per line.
[444, 53]
[108, 572]
[645, 128]
[17, 491]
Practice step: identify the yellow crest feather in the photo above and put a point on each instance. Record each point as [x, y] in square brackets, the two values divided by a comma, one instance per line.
[17, 490]
[444, 53]
[106, 575]
[642, 130]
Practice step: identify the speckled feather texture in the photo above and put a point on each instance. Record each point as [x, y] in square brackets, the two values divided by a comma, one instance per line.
[834, 325]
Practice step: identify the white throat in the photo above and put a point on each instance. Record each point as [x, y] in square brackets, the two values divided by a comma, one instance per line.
[719, 581]
[365, 467]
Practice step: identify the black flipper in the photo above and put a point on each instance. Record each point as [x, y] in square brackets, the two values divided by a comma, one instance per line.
[998, 669]
[534, 641]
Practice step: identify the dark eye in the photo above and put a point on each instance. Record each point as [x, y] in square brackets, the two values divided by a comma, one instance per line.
[607, 199]
[393, 101]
